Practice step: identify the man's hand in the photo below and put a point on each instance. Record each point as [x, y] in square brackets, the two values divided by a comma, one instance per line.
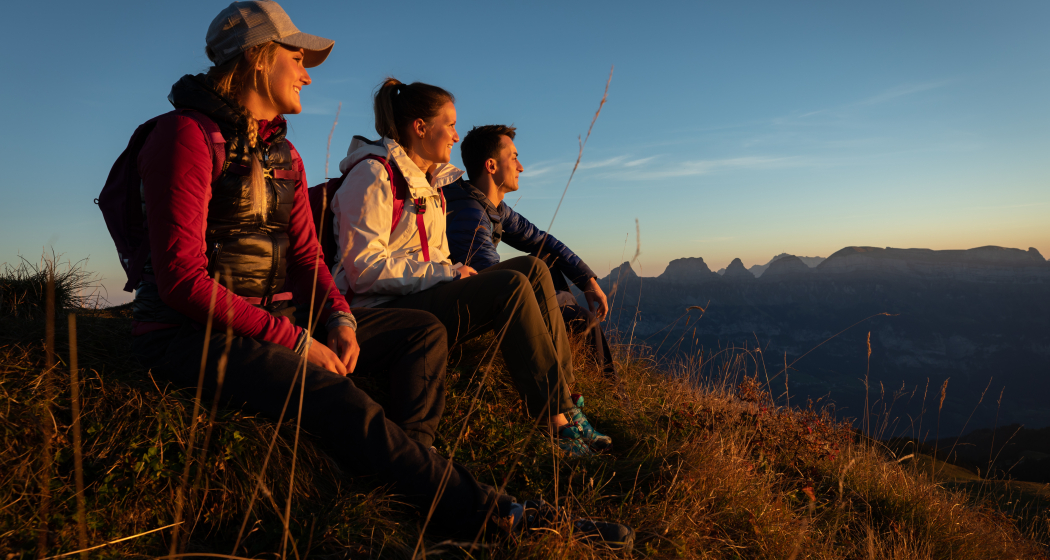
[343, 343]
[466, 272]
[596, 299]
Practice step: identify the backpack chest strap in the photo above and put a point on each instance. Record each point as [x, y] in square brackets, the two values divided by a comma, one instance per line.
[421, 209]
[282, 174]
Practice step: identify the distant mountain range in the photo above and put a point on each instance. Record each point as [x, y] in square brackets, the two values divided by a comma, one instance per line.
[980, 317]
[758, 269]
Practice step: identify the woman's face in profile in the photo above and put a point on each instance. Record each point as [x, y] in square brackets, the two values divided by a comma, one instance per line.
[441, 135]
[286, 80]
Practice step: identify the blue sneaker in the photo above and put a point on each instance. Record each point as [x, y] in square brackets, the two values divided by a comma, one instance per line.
[595, 439]
[570, 440]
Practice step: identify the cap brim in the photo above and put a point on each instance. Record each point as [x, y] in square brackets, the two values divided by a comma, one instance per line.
[316, 48]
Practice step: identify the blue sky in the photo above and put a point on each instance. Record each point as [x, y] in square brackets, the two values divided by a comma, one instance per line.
[731, 129]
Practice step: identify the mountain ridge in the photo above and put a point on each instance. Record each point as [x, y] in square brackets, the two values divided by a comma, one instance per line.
[980, 264]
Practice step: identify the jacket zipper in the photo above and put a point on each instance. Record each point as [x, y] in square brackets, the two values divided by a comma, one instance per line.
[216, 250]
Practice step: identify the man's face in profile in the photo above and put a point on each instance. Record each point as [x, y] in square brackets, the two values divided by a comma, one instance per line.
[507, 166]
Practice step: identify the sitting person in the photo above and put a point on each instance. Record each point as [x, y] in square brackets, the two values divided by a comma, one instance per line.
[237, 215]
[389, 226]
[478, 220]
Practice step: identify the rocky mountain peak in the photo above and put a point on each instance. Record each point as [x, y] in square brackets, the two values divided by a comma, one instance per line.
[689, 270]
[621, 273]
[788, 266]
[736, 271]
[759, 269]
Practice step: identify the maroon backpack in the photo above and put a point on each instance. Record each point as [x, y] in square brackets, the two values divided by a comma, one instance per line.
[321, 206]
[121, 198]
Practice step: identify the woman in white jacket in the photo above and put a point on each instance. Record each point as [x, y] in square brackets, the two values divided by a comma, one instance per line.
[390, 227]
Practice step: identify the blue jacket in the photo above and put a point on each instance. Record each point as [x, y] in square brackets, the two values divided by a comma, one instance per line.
[474, 227]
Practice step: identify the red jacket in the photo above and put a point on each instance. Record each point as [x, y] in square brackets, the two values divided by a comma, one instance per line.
[176, 169]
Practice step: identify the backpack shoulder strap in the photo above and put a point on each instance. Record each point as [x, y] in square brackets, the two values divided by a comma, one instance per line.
[399, 194]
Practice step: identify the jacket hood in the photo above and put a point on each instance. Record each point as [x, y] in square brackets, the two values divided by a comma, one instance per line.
[197, 92]
[361, 147]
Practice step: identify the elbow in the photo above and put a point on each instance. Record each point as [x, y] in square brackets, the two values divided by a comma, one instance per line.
[172, 293]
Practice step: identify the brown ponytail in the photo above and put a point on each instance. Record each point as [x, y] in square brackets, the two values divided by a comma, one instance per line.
[230, 79]
[398, 105]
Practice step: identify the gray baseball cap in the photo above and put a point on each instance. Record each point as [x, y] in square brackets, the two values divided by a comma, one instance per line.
[243, 25]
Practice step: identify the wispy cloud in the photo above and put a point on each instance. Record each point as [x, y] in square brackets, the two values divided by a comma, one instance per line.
[901, 91]
[706, 166]
[845, 112]
[628, 168]
[637, 162]
[603, 163]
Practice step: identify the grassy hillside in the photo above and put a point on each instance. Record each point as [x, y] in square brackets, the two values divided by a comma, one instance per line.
[701, 469]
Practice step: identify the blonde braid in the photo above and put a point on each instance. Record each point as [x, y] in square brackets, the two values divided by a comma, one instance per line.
[253, 132]
[230, 79]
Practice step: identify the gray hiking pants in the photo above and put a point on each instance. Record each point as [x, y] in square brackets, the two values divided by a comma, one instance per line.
[516, 300]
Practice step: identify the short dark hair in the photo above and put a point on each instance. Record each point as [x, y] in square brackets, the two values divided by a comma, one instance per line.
[481, 144]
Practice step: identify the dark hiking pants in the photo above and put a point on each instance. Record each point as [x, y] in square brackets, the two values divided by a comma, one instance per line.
[516, 300]
[352, 428]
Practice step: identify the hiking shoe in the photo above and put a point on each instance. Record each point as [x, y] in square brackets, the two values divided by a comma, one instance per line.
[595, 439]
[537, 514]
[570, 439]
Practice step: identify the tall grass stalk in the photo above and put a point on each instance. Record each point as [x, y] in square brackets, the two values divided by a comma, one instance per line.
[579, 156]
[47, 422]
[115, 541]
[936, 442]
[180, 495]
[78, 447]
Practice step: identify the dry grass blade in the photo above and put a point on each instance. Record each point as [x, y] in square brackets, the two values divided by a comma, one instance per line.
[328, 148]
[579, 156]
[311, 325]
[109, 543]
[180, 496]
[46, 419]
[78, 447]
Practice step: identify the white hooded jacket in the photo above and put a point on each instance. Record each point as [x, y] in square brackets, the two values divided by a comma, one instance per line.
[377, 264]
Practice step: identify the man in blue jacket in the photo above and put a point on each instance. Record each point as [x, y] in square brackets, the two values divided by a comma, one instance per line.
[478, 219]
